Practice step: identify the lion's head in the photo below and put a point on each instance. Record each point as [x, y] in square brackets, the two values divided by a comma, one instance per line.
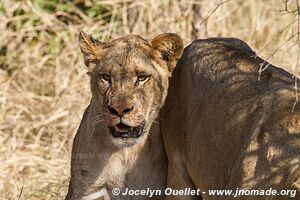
[129, 81]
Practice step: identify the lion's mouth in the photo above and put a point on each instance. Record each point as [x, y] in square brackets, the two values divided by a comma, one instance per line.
[123, 131]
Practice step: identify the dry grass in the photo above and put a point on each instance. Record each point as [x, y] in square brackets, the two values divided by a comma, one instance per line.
[44, 86]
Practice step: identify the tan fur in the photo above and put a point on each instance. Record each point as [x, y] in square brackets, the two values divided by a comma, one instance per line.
[100, 160]
[226, 125]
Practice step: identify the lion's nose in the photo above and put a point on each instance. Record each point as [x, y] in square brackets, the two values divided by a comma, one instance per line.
[119, 111]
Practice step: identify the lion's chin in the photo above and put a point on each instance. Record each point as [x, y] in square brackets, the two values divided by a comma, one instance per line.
[124, 143]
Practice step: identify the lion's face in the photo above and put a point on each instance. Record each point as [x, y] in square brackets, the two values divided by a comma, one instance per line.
[129, 81]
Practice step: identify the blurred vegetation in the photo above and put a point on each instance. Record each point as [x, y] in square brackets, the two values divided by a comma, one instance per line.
[66, 13]
[91, 9]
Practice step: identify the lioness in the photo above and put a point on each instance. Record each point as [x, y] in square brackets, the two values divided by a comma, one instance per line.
[116, 145]
[230, 121]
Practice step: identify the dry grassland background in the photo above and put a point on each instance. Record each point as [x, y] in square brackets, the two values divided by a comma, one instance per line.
[44, 88]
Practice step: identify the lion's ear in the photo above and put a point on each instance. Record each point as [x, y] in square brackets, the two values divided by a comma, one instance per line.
[168, 47]
[91, 48]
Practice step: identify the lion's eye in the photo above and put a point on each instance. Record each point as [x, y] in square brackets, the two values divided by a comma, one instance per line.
[105, 77]
[143, 78]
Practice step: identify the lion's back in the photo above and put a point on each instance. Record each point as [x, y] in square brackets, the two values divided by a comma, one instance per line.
[229, 66]
[222, 98]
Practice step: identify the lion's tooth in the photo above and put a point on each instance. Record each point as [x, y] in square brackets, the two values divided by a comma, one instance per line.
[117, 128]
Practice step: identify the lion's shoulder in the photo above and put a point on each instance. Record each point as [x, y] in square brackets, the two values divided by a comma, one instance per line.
[221, 42]
[219, 57]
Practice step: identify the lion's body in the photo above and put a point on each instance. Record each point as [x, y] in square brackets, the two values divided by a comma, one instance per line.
[227, 126]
